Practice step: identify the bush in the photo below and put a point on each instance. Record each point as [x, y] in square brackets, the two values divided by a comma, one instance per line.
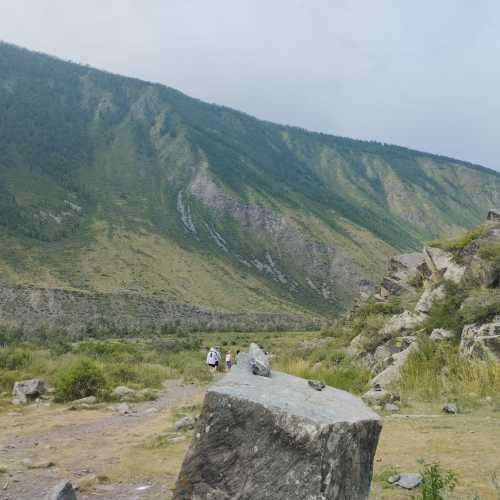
[15, 359]
[446, 313]
[436, 483]
[481, 306]
[80, 379]
[457, 244]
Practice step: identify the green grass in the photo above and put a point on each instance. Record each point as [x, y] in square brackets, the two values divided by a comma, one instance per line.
[457, 244]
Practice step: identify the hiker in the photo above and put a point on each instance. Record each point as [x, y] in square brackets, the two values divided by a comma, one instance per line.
[236, 358]
[229, 361]
[213, 358]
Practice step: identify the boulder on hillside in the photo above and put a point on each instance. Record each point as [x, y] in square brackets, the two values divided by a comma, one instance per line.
[402, 323]
[428, 298]
[442, 265]
[377, 396]
[26, 391]
[481, 341]
[392, 373]
[277, 438]
[441, 334]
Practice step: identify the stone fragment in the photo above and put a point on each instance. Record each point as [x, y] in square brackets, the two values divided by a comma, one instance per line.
[123, 393]
[185, 423]
[391, 407]
[441, 334]
[450, 408]
[409, 480]
[376, 396]
[393, 479]
[26, 391]
[317, 385]
[89, 400]
[273, 438]
[63, 491]
[123, 409]
[258, 361]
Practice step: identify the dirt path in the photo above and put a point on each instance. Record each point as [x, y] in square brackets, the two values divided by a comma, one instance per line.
[105, 452]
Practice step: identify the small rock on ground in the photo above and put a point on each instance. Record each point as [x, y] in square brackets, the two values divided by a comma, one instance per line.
[63, 491]
[450, 408]
[185, 423]
[409, 480]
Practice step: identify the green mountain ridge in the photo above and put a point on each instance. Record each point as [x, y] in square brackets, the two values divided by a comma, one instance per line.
[111, 183]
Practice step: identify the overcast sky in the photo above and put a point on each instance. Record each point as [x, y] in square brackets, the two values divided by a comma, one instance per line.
[419, 73]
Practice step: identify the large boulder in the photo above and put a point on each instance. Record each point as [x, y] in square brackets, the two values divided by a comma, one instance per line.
[26, 391]
[393, 365]
[428, 298]
[278, 438]
[442, 265]
[481, 341]
[406, 322]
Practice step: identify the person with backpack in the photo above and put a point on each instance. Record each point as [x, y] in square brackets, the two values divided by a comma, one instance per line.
[213, 358]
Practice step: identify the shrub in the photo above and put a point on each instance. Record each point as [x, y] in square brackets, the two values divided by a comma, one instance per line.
[481, 306]
[457, 244]
[446, 313]
[15, 359]
[436, 483]
[79, 379]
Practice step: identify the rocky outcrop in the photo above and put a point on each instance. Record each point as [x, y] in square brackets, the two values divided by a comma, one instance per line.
[393, 365]
[442, 265]
[406, 322]
[30, 309]
[26, 391]
[278, 438]
[481, 341]
[428, 298]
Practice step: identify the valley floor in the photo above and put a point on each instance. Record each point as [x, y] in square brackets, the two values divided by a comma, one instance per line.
[138, 456]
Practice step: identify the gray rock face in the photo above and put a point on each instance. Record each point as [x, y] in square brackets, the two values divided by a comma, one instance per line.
[428, 298]
[275, 438]
[63, 491]
[259, 363]
[392, 373]
[27, 390]
[442, 265]
[481, 341]
[441, 334]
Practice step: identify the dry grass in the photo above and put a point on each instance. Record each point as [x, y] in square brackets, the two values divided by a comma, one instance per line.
[437, 372]
[466, 444]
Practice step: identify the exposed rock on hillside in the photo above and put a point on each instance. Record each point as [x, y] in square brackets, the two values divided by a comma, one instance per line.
[443, 289]
[32, 309]
[278, 438]
[481, 341]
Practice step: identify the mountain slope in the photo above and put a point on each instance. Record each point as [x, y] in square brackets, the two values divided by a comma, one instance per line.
[111, 183]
